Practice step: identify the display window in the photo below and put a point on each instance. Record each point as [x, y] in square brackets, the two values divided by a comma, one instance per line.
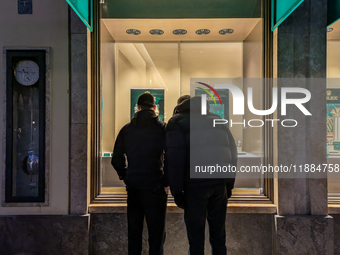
[333, 109]
[165, 57]
[134, 64]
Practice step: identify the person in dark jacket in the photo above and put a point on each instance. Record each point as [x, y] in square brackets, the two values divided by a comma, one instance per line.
[138, 160]
[192, 140]
[179, 101]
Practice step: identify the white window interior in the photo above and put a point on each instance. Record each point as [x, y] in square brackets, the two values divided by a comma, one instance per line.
[169, 62]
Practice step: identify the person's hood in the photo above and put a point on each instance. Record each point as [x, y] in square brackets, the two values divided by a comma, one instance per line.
[144, 118]
[193, 104]
[183, 107]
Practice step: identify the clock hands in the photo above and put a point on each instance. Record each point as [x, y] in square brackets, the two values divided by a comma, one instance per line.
[25, 76]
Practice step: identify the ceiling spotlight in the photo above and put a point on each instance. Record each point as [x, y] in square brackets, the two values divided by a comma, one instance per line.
[329, 29]
[202, 31]
[156, 32]
[226, 31]
[179, 32]
[133, 31]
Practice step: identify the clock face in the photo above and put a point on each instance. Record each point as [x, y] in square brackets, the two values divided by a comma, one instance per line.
[27, 72]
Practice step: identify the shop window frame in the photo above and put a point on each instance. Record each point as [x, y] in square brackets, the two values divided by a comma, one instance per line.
[118, 200]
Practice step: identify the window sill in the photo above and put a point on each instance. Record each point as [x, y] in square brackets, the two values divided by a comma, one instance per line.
[333, 203]
[334, 209]
[172, 208]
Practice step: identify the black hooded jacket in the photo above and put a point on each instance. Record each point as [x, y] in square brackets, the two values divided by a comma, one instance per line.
[214, 145]
[142, 142]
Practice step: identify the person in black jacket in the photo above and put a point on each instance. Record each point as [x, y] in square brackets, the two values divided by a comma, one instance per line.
[192, 140]
[179, 101]
[138, 160]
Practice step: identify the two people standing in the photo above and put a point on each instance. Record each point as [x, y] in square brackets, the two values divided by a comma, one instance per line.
[142, 142]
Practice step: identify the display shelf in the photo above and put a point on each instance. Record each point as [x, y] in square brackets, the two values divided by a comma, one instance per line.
[107, 154]
[172, 208]
[241, 154]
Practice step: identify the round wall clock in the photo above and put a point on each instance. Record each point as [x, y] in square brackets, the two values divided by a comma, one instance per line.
[26, 72]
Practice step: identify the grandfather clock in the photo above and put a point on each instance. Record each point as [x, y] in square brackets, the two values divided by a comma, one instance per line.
[25, 110]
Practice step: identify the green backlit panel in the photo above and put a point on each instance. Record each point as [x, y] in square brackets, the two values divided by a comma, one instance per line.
[281, 9]
[171, 9]
[333, 11]
[84, 10]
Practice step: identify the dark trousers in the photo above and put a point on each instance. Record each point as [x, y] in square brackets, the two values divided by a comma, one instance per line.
[150, 204]
[201, 204]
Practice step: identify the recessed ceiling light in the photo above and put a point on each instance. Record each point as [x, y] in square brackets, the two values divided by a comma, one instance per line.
[133, 31]
[156, 32]
[179, 32]
[202, 31]
[329, 29]
[226, 31]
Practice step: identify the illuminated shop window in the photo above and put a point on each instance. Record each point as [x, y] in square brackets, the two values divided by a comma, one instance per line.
[134, 60]
[333, 107]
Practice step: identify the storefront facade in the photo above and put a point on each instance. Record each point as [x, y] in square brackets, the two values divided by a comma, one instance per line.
[92, 79]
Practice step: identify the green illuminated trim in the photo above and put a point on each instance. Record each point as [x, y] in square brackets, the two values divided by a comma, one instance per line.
[276, 21]
[178, 9]
[333, 22]
[333, 11]
[84, 10]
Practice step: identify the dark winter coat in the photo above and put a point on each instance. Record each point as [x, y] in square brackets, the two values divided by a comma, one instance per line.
[142, 141]
[215, 145]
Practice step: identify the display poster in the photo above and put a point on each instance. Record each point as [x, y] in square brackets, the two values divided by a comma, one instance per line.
[333, 122]
[221, 110]
[159, 101]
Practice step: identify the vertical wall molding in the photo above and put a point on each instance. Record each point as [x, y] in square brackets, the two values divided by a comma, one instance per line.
[78, 114]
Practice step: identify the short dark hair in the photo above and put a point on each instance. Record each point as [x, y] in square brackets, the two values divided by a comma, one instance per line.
[146, 107]
[146, 99]
[183, 98]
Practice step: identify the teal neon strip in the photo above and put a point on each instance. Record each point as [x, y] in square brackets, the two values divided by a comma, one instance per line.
[333, 22]
[179, 9]
[84, 12]
[207, 91]
[333, 11]
[283, 17]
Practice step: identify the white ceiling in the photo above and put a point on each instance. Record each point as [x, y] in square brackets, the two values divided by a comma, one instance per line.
[242, 27]
[335, 34]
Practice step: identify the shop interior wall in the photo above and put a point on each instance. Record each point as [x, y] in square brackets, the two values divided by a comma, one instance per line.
[47, 26]
[157, 65]
[212, 62]
[252, 68]
[108, 93]
[333, 62]
[147, 66]
[165, 73]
